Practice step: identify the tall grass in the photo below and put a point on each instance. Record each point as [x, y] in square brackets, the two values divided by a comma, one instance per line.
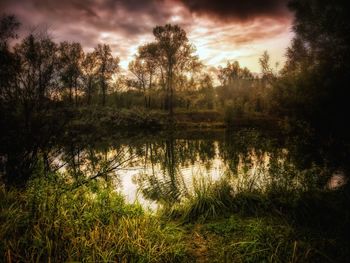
[263, 239]
[271, 224]
[206, 200]
[91, 224]
[50, 222]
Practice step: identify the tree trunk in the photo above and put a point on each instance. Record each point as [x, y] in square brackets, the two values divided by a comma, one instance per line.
[89, 92]
[144, 94]
[171, 96]
[164, 86]
[149, 90]
[70, 89]
[103, 93]
[76, 91]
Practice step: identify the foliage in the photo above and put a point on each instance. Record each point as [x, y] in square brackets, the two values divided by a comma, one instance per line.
[313, 86]
[91, 223]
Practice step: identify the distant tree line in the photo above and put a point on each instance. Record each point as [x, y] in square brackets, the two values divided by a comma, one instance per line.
[166, 72]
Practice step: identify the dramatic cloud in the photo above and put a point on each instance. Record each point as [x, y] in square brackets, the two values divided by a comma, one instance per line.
[221, 30]
[238, 10]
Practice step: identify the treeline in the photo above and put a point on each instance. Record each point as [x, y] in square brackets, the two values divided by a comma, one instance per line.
[311, 87]
[164, 74]
[39, 69]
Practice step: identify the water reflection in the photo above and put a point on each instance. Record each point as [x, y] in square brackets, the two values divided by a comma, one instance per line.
[162, 170]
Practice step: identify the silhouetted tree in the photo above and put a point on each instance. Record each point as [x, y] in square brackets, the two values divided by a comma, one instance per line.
[8, 62]
[175, 55]
[28, 127]
[8, 27]
[89, 70]
[71, 57]
[138, 68]
[150, 55]
[107, 66]
[38, 59]
[314, 85]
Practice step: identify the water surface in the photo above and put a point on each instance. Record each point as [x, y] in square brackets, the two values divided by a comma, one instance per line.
[163, 168]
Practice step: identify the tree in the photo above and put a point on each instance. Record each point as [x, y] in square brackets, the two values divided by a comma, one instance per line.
[175, 54]
[144, 67]
[8, 27]
[89, 70]
[107, 66]
[28, 128]
[266, 70]
[37, 56]
[71, 58]
[138, 68]
[314, 84]
[9, 65]
[233, 72]
[207, 88]
[150, 55]
[322, 28]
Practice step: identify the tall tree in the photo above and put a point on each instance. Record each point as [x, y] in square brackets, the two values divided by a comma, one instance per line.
[314, 85]
[107, 66]
[38, 60]
[28, 129]
[265, 64]
[138, 68]
[149, 53]
[144, 67]
[71, 58]
[175, 54]
[9, 65]
[89, 70]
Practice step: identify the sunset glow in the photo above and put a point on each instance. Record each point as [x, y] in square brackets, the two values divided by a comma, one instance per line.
[221, 31]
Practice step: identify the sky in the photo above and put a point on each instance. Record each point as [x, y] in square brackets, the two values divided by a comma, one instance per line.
[221, 30]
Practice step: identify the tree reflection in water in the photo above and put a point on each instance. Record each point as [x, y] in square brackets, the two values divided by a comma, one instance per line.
[162, 169]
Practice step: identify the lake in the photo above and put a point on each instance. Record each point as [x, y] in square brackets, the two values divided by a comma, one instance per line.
[166, 167]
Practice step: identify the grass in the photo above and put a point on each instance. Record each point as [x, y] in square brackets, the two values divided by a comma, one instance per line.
[43, 224]
[208, 199]
[237, 239]
[269, 238]
[212, 223]
[266, 226]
